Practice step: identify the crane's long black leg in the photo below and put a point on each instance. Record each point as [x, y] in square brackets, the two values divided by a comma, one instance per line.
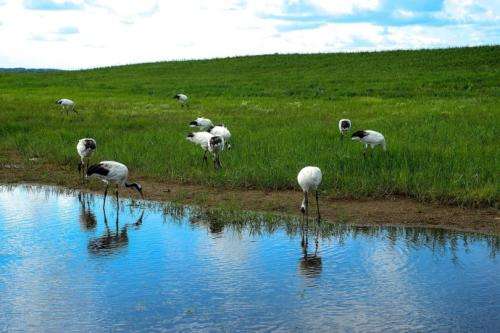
[205, 158]
[105, 217]
[217, 164]
[307, 212]
[218, 161]
[117, 201]
[317, 205]
[117, 222]
[105, 194]
[83, 172]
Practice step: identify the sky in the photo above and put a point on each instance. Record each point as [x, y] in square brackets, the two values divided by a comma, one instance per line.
[74, 34]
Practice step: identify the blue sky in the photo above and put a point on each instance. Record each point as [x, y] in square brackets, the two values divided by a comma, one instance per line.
[88, 33]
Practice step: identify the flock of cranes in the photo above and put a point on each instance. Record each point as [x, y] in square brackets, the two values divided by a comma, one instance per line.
[212, 139]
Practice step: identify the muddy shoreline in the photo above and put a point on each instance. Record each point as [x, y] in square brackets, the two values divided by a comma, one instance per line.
[364, 212]
[398, 211]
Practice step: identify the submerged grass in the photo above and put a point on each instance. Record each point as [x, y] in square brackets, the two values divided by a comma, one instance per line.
[437, 108]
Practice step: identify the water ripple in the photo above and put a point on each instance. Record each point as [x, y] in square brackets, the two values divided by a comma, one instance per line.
[67, 264]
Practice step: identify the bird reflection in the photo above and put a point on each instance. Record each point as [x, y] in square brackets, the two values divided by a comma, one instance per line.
[310, 264]
[88, 220]
[113, 240]
[137, 224]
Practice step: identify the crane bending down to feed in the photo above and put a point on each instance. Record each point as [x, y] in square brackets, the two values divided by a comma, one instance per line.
[222, 131]
[206, 125]
[203, 123]
[309, 179]
[85, 149]
[344, 126]
[369, 137]
[66, 105]
[181, 98]
[112, 172]
[209, 143]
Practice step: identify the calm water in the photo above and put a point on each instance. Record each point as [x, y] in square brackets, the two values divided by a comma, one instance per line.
[65, 265]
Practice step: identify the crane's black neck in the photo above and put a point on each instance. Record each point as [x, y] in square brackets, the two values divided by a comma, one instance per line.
[136, 186]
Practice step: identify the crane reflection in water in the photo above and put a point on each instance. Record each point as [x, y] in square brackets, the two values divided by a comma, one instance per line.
[113, 239]
[88, 220]
[310, 264]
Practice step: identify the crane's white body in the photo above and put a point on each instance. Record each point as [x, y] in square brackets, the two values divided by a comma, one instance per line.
[66, 104]
[216, 144]
[112, 172]
[117, 172]
[370, 138]
[209, 142]
[201, 138]
[309, 179]
[86, 147]
[205, 141]
[344, 126]
[181, 98]
[203, 123]
[223, 132]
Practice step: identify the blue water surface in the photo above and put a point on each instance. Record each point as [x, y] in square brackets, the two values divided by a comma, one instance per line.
[68, 265]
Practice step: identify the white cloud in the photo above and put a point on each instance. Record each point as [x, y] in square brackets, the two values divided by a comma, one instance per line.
[402, 13]
[345, 6]
[119, 32]
[471, 10]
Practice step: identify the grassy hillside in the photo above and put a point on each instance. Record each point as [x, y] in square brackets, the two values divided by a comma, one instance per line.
[437, 108]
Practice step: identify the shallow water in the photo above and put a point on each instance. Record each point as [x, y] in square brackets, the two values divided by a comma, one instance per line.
[65, 265]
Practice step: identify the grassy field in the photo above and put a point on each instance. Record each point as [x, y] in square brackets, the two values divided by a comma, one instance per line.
[439, 111]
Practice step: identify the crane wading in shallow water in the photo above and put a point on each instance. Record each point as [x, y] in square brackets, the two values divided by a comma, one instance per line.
[85, 149]
[112, 172]
[371, 138]
[309, 179]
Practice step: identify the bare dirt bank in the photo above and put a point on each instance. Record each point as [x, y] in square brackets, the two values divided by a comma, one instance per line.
[388, 211]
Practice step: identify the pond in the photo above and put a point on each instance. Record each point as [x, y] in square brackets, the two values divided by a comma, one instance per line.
[68, 265]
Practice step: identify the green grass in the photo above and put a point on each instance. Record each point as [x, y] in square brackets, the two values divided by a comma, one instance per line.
[439, 111]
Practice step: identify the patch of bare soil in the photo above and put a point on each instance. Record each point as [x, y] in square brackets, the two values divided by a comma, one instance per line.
[390, 211]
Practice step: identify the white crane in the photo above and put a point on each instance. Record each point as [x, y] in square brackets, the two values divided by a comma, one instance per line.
[216, 146]
[309, 179]
[66, 105]
[85, 148]
[203, 123]
[222, 131]
[209, 143]
[344, 126]
[369, 138]
[112, 172]
[181, 98]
